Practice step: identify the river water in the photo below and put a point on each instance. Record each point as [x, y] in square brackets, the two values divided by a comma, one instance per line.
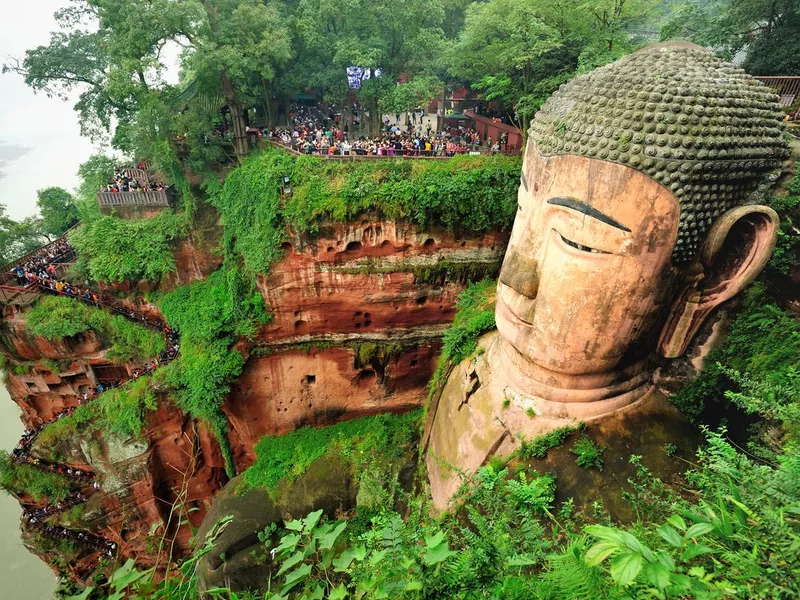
[22, 575]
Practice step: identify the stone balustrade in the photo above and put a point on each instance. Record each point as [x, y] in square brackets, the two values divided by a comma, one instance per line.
[133, 198]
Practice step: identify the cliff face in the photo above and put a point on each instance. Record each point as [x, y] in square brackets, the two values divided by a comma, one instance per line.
[359, 311]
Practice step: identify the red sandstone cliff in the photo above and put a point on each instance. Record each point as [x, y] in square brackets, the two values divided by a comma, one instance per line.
[386, 284]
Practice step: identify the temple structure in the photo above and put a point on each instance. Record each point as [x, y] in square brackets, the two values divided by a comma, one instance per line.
[633, 224]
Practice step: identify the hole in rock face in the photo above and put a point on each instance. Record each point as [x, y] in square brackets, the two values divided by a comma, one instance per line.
[357, 313]
[367, 315]
[421, 300]
[331, 248]
[297, 313]
[309, 379]
[386, 248]
[367, 323]
[414, 362]
[366, 377]
[353, 247]
[301, 326]
[358, 325]
[463, 244]
[429, 244]
[378, 230]
[286, 247]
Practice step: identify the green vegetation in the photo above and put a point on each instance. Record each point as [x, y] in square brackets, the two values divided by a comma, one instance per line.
[56, 317]
[58, 210]
[588, 453]
[18, 478]
[787, 250]
[121, 411]
[474, 317]
[210, 315]
[756, 368]
[129, 249]
[360, 442]
[539, 446]
[466, 194]
[451, 272]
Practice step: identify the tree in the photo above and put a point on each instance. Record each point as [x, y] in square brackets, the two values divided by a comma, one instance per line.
[765, 29]
[18, 238]
[58, 210]
[506, 49]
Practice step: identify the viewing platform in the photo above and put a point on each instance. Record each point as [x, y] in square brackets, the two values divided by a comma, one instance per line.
[155, 199]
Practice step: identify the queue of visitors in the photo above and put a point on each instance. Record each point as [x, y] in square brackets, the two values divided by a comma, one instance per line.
[39, 269]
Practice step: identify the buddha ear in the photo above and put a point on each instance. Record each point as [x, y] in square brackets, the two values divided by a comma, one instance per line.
[738, 246]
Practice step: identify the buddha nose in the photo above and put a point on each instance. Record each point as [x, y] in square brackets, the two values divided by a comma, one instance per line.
[520, 273]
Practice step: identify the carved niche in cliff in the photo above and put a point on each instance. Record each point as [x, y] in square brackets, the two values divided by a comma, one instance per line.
[631, 227]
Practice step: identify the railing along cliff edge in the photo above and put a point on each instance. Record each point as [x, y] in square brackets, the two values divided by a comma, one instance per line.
[133, 198]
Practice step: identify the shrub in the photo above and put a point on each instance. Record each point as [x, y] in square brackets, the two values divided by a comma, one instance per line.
[588, 453]
[117, 249]
[56, 317]
[539, 446]
[464, 194]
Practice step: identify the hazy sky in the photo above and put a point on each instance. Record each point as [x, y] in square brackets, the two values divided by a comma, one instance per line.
[40, 142]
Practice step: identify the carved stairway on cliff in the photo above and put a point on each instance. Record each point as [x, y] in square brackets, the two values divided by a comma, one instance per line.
[36, 517]
[14, 293]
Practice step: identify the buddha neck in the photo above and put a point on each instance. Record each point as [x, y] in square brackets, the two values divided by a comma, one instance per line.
[611, 388]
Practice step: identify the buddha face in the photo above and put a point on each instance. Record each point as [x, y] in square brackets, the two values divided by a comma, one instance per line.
[586, 283]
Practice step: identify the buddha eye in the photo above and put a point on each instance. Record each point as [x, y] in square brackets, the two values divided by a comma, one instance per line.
[581, 247]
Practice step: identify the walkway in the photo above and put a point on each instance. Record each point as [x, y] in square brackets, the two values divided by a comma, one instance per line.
[35, 272]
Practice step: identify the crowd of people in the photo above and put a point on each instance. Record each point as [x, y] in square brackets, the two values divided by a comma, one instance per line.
[39, 269]
[310, 132]
[123, 183]
[38, 515]
[100, 544]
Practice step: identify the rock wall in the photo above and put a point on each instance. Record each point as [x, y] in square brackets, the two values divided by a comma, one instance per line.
[359, 311]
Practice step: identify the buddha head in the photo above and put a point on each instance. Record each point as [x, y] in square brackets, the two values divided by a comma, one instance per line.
[632, 221]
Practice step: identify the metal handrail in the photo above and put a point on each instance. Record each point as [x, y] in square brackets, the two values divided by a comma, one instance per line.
[13, 263]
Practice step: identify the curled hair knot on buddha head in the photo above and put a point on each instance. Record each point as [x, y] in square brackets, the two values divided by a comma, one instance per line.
[675, 112]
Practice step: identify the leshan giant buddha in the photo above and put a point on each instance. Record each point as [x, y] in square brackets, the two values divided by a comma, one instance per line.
[632, 225]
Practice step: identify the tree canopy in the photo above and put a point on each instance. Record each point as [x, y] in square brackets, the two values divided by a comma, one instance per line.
[246, 59]
[58, 210]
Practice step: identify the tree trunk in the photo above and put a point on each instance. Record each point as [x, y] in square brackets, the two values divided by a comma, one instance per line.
[240, 145]
[374, 117]
[440, 119]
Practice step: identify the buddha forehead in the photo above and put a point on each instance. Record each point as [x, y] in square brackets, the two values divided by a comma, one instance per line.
[700, 127]
[615, 208]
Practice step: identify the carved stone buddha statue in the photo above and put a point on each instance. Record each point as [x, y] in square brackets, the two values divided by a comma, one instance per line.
[632, 225]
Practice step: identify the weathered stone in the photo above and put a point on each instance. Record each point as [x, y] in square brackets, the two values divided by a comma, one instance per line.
[612, 260]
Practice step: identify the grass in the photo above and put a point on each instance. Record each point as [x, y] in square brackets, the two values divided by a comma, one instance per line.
[56, 317]
[539, 446]
[25, 479]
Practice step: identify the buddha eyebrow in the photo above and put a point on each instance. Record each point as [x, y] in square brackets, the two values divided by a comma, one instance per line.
[584, 208]
[524, 181]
